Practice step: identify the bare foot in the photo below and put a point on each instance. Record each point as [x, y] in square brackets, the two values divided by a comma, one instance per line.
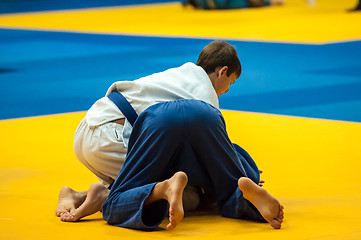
[177, 184]
[267, 205]
[69, 200]
[95, 197]
[171, 190]
[279, 2]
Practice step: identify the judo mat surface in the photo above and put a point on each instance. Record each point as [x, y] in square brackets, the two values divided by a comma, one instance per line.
[296, 107]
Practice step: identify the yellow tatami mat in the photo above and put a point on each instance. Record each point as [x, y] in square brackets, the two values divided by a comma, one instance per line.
[310, 165]
[296, 21]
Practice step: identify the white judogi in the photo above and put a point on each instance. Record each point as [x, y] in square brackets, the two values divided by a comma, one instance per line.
[101, 145]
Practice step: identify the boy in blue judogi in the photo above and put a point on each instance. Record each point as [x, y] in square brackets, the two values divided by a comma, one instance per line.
[185, 142]
[180, 142]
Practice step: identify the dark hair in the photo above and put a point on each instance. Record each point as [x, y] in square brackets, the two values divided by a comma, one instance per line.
[219, 54]
[193, 3]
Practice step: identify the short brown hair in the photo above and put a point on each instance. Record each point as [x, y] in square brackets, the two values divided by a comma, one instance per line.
[219, 54]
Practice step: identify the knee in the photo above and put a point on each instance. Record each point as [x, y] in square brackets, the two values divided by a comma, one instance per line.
[191, 198]
[109, 215]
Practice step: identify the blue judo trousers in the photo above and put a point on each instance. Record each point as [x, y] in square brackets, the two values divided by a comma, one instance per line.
[181, 135]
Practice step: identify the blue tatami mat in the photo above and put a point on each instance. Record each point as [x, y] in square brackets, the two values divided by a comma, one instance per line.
[15, 6]
[50, 72]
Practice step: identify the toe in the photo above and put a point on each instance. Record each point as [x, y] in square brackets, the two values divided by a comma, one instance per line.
[61, 211]
[275, 224]
[68, 217]
[64, 217]
[58, 213]
[171, 226]
[171, 211]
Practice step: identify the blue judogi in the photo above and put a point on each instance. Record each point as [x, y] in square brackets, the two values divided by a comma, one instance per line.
[182, 135]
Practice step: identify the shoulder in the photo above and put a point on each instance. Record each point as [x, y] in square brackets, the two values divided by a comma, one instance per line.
[193, 68]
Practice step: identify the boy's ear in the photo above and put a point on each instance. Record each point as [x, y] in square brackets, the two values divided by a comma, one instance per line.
[223, 70]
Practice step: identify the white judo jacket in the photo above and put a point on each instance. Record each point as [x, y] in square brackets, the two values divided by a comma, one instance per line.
[188, 81]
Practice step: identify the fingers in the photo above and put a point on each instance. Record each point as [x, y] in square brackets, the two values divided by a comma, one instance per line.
[261, 182]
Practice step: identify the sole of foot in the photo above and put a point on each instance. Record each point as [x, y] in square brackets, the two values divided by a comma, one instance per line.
[267, 205]
[176, 187]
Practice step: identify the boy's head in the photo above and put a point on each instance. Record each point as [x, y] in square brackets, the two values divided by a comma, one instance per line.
[219, 54]
[220, 61]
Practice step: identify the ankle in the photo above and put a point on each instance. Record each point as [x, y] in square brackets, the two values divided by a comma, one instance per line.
[158, 192]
